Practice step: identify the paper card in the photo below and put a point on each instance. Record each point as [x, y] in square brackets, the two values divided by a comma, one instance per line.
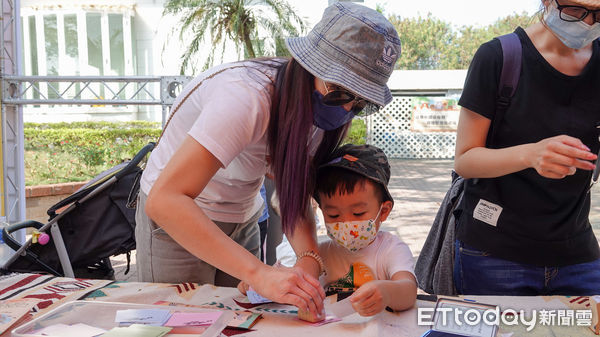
[595, 306]
[240, 320]
[244, 320]
[75, 330]
[341, 309]
[193, 318]
[188, 330]
[142, 316]
[244, 302]
[52, 330]
[255, 298]
[327, 320]
[232, 332]
[138, 330]
[13, 310]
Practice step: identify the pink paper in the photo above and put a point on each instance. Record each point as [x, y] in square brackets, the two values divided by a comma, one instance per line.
[327, 320]
[193, 318]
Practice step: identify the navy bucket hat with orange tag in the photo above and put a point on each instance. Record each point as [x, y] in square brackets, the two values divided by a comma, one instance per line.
[366, 160]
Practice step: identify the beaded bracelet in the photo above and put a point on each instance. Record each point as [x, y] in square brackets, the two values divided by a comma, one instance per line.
[317, 258]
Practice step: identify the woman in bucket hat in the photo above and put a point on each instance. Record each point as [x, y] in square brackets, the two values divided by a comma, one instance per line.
[199, 200]
[524, 227]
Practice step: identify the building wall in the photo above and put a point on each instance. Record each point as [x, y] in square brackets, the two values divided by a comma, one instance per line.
[154, 48]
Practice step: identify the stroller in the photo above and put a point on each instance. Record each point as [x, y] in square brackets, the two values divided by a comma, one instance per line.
[89, 226]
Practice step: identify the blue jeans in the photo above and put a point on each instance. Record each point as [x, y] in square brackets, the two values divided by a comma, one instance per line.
[478, 273]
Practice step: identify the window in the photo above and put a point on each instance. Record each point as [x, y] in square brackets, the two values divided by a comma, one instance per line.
[94, 44]
[91, 43]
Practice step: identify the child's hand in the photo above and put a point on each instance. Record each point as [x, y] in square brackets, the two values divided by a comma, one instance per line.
[368, 300]
[243, 287]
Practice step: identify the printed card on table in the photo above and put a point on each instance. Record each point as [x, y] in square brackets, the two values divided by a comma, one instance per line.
[13, 310]
[155, 317]
[327, 320]
[138, 330]
[75, 330]
[341, 309]
[193, 318]
[244, 320]
[240, 320]
[255, 298]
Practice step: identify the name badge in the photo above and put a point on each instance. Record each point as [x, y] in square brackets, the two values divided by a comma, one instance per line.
[487, 212]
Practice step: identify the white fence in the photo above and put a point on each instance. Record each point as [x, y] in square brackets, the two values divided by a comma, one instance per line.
[391, 130]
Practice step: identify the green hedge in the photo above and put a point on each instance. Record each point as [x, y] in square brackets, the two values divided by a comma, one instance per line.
[67, 152]
[94, 125]
[357, 133]
[78, 151]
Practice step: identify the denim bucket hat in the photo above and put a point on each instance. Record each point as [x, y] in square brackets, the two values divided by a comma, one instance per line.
[352, 46]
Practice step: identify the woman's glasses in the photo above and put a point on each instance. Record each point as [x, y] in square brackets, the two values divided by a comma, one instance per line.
[571, 13]
[338, 96]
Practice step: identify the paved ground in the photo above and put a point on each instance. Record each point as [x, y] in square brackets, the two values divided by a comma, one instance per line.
[418, 187]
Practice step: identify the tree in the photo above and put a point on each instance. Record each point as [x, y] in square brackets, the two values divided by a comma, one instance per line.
[470, 38]
[430, 43]
[425, 41]
[241, 21]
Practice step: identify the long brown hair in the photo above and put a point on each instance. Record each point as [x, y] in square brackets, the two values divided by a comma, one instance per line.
[289, 126]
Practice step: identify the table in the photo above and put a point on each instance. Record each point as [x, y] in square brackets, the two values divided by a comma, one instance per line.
[278, 320]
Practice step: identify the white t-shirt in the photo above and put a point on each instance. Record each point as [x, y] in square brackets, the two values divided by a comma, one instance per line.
[228, 114]
[385, 256]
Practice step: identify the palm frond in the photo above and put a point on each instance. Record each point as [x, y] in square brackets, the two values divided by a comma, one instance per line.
[239, 21]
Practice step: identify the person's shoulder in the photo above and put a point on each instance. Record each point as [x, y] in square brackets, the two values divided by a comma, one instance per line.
[252, 75]
[490, 50]
[392, 241]
[258, 71]
[596, 49]
[327, 248]
[389, 237]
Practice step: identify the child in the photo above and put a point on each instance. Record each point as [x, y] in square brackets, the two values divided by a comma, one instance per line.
[375, 265]
[352, 193]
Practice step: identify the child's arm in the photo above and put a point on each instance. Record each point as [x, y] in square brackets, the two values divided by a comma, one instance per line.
[399, 293]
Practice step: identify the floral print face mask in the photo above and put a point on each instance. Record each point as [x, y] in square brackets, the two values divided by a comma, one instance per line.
[353, 235]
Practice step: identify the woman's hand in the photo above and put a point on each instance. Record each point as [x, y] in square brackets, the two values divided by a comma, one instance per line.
[560, 156]
[243, 287]
[554, 157]
[291, 286]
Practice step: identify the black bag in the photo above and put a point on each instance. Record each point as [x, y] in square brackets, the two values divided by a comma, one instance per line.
[434, 267]
[435, 264]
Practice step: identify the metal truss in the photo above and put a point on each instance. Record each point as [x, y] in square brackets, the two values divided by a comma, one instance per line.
[91, 90]
[13, 184]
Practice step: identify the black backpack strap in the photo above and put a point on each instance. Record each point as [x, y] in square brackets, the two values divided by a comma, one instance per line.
[512, 53]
